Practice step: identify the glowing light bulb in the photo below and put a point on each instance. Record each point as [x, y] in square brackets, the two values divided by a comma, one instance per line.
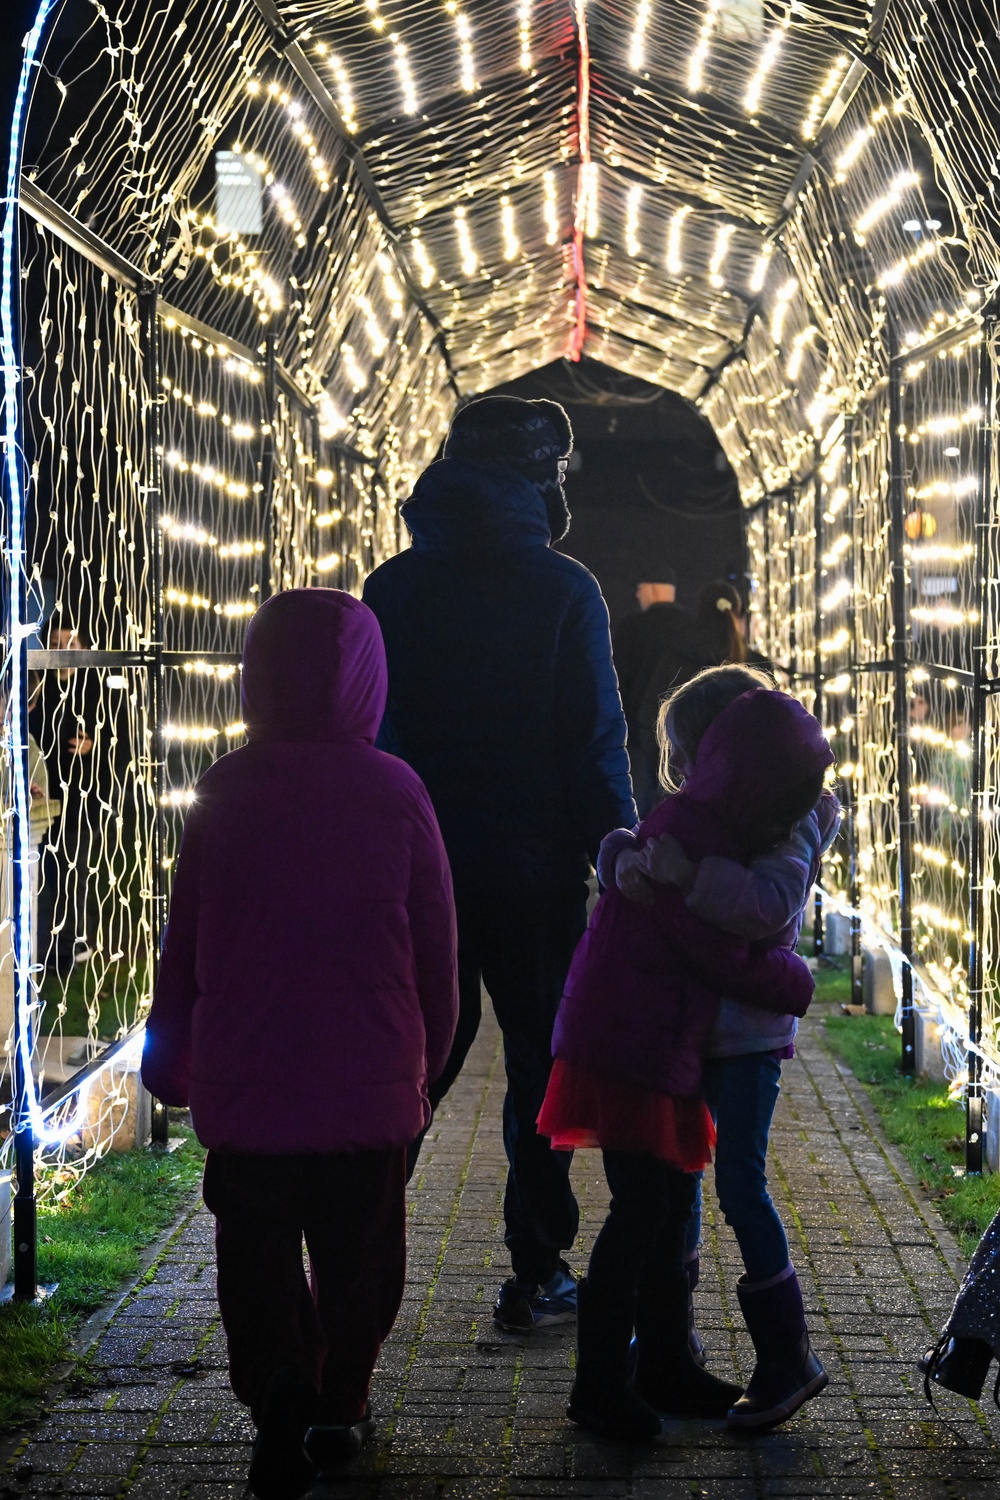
[822, 96]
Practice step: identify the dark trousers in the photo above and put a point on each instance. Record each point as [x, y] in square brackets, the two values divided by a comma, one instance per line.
[520, 949]
[350, 1208]
[646, 1228]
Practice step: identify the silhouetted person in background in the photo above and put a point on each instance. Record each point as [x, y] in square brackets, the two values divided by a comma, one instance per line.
[724, 622]
[655, 651]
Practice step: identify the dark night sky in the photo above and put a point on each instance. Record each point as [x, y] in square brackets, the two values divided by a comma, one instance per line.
[18, 16]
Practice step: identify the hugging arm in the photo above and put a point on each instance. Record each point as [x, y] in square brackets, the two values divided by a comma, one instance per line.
[773, 979]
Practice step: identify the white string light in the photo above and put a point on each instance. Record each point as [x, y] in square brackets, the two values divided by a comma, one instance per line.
[508, 225]
[345, 97]
[760, 268]
[426, 267]
[467, 250]
[410, 101]
[782, 301]
[524, 34]
[900, 184]
[632, 244]
[550, 209]
[751, 99]
[675, 264]
[823, 96]
[637, 49]
[723, 235]
[696, 64]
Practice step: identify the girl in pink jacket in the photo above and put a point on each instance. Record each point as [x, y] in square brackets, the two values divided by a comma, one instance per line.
[307, 994]
[641, 1001]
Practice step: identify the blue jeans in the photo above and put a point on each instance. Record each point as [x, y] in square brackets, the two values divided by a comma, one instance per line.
[742, 1093]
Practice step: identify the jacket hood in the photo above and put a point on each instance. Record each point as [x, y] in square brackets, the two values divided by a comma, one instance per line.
[756, 751]
[313, 668]
[457, 506]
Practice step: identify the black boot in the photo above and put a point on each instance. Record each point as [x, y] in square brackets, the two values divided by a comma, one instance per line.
[602, 1400]
[279, 1469]
[330, 1448]
[787, 1372]
[666, 1373]
[960, 1365]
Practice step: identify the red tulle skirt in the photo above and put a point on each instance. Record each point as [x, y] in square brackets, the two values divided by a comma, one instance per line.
[583, 1108]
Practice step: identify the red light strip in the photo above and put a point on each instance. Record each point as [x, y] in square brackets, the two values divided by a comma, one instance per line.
[579, 332]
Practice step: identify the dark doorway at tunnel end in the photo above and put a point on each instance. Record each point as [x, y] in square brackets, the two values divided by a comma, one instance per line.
[649, 486]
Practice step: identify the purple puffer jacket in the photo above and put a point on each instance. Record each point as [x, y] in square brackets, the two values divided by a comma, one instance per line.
[308, 983]
[643, 990]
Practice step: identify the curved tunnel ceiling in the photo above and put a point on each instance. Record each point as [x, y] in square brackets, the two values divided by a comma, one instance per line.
[460, 191]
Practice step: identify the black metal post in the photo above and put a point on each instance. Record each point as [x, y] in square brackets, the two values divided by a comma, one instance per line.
[268, 464]
[901, 695]
[153, 512]
[985, 516]
[791, 537]
[854, 702]
[818, 926]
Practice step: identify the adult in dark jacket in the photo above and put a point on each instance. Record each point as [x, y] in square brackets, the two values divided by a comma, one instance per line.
[656, 650]
[503, 698]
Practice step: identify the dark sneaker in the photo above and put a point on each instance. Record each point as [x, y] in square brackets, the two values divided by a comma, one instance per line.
[522, 1306]
[555, 1302]
[512, 1310]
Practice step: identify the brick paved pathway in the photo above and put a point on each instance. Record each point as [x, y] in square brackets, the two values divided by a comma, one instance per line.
[469, 1414]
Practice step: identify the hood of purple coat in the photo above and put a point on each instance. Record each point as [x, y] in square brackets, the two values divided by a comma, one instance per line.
[313, 668]
[755, 751]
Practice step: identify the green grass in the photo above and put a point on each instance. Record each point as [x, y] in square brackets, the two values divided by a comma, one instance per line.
[917, 1115]
[89, 1244]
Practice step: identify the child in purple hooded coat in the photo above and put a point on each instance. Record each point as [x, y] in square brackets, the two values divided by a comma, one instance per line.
[306, 996]
[641, 1001]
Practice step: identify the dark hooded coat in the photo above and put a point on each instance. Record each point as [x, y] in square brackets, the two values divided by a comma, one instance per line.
[308, 983]
[645, 984]
[502, 693]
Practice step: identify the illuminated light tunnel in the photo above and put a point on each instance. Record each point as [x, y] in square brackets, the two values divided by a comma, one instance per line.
[255, 253]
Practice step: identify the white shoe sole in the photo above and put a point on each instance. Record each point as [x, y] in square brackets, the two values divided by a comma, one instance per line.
[784, 1409]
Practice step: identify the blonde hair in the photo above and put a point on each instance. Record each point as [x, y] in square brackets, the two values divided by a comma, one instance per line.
[687, 713]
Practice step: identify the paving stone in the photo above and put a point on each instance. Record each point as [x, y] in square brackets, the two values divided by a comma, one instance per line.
[469, 1413]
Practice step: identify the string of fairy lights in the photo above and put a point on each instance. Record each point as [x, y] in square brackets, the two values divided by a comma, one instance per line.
[540, 179]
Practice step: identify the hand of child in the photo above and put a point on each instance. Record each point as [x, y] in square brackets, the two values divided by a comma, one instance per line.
[664, 860]
[630, 879]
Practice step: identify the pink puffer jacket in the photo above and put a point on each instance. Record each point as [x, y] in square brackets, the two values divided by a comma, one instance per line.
[308, 986]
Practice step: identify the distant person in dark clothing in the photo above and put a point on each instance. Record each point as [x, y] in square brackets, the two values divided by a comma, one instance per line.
[503, 699]
[724, 621]
[656, 650]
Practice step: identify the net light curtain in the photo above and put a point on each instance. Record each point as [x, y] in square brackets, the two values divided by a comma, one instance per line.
[265, 246]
